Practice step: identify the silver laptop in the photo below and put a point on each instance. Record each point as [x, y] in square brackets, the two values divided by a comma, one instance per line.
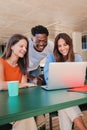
[66, 75]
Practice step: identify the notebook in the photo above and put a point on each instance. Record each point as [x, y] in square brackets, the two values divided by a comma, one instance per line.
[66, 75]
[79, 89]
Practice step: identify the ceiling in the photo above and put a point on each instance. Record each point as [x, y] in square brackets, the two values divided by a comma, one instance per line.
[19, 16]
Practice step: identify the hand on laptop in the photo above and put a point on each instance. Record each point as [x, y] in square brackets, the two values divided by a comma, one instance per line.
[38, 80]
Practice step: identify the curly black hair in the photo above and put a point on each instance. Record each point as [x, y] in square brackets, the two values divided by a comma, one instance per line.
[39, 30]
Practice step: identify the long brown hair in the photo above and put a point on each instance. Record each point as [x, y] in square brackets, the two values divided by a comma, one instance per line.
[22, 62]
[58, 56]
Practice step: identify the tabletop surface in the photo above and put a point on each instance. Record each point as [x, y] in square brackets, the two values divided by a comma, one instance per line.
[35, 101]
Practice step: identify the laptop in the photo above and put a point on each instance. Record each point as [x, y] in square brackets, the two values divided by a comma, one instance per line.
[66, 75]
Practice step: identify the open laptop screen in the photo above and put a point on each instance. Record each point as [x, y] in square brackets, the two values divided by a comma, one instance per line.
[66, 75]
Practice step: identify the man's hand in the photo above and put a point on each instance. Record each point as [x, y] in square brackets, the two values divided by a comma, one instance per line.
[38, 80]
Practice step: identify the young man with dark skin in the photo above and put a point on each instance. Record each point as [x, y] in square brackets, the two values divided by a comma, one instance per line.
[39, 47]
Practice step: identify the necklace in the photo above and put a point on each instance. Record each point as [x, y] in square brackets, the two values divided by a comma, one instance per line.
[12, 63]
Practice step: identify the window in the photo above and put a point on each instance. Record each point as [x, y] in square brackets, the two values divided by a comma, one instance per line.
[84, 42]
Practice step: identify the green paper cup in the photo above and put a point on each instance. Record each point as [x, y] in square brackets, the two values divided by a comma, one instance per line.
[13, 88]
